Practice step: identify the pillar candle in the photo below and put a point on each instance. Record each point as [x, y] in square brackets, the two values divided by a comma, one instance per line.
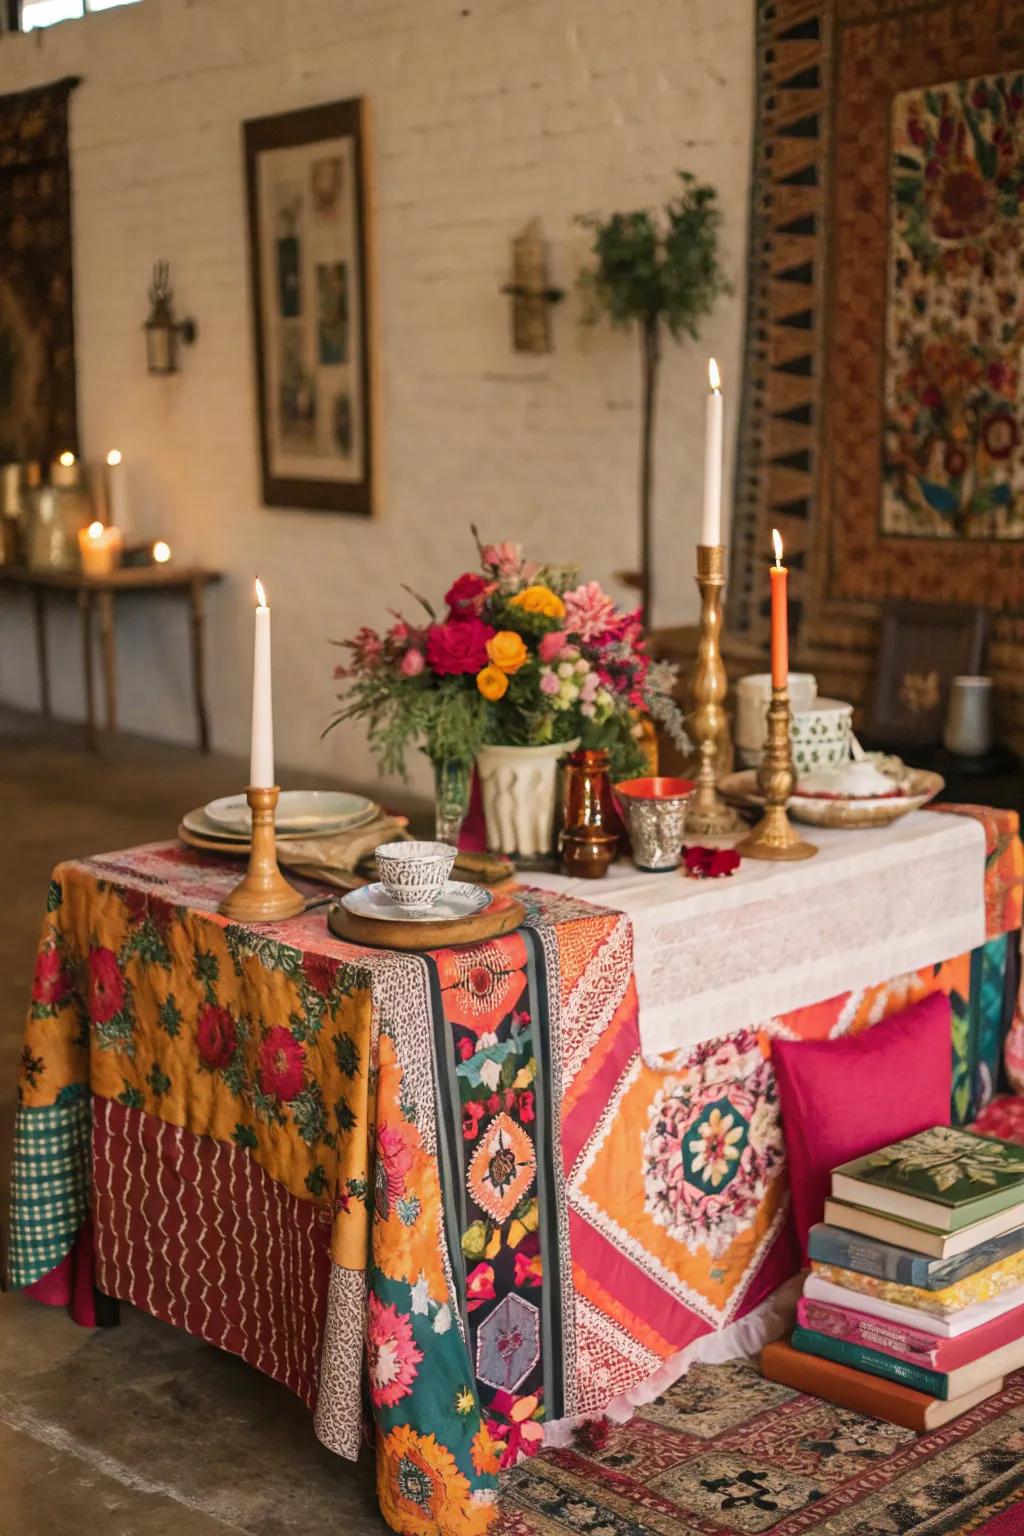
[99, 549]
[261, 762]
[711, 525]
[780, 617]
[64, 471]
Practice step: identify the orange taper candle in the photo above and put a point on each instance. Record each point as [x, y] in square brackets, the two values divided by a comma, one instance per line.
[780, 618]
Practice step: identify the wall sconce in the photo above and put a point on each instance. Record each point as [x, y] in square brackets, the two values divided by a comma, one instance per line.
[162, 330]
[531, 293]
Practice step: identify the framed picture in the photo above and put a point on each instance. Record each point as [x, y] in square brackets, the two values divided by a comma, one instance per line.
[311, 294]
[923, 647]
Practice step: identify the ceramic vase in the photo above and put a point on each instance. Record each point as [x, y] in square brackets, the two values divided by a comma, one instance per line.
[519, 788]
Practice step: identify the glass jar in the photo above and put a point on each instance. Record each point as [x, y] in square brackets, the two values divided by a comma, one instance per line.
[452, 782]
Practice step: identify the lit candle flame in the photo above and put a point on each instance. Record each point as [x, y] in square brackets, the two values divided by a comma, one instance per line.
[114, 457]
[777, 541]
[95, 530]
[714, 377]
[67, 459]
[161, 552]
[261, 596]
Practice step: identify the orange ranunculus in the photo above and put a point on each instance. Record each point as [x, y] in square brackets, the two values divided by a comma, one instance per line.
[493, 683]
[507, 651]
[539, 600]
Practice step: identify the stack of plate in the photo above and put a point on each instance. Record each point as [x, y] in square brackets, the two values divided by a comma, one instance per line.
[301, 813]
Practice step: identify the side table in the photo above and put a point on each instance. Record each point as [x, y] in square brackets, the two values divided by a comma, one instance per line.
[96, 594]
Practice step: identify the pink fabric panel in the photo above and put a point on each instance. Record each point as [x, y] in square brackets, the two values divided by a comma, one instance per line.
[71, 1283]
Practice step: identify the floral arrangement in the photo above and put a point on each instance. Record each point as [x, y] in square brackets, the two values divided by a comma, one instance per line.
[524, 655]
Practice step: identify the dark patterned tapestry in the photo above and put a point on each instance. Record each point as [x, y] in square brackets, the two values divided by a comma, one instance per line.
[37, 351]
[883, 420]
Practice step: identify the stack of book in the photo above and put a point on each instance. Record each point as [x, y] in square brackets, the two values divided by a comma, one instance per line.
[913, 1309]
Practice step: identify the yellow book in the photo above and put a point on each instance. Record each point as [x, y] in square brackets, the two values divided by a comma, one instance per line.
[1005, 1275]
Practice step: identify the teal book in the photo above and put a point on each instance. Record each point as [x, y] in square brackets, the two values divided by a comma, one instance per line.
[943, 1179]
[873, 1361]
[886, 1261]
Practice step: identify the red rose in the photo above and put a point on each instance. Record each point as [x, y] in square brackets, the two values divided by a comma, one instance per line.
[709, 863]
[459, 645]
[106, 986]
[51, 982]
[526, 1109]
[282, 1064]
[320, 972]
[467, 594]
[493, 1104]
[216, 1036]
[472, 1114]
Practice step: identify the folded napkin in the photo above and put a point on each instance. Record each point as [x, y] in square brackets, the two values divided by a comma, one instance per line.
[335, 860]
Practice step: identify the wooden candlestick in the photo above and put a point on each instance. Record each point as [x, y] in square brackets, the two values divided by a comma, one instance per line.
[264, 895]
[707, 813]
[774, 837]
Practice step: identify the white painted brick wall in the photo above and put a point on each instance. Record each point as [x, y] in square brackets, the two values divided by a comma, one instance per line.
[485, 113]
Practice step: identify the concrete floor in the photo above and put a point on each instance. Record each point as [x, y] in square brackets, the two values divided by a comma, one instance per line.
[139, 1431]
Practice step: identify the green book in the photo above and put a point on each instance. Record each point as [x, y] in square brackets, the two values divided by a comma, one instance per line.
[943, 1179]
[846, 1352]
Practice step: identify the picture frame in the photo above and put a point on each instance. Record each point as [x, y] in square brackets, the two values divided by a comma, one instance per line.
[923, 647]
[310, 253]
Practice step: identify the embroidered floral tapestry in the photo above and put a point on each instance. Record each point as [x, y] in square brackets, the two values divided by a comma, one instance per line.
[952, 457]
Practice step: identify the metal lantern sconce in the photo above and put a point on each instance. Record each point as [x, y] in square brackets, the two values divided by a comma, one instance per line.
[531, 293]
[162, 330]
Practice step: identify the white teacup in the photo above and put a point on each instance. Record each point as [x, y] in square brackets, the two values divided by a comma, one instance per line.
[752, 695]
[414, 874]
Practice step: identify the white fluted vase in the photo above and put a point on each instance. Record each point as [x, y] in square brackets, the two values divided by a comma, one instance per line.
[519, 788]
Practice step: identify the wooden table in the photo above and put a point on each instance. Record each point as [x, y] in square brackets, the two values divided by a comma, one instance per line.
[97, 593]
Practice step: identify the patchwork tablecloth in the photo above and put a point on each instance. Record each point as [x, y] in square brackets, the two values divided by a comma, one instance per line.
[457, 1167]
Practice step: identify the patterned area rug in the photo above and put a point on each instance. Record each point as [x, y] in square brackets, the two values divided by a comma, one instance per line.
[726, 1453]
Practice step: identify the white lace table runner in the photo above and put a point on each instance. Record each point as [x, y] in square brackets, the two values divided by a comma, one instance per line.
[714, 956]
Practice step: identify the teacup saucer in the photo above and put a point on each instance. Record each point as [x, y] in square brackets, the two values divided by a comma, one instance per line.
[458, 899]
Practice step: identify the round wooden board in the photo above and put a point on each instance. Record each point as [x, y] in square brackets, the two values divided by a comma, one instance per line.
[503, 914]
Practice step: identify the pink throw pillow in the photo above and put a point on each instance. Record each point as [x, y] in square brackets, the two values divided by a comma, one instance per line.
[842, 1098]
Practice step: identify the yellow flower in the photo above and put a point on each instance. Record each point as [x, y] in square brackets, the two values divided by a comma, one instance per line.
[507, 651]
[493, 683]
[465, 1402]
[539, 600]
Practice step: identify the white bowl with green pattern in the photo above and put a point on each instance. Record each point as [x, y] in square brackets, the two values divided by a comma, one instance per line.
[821, 737]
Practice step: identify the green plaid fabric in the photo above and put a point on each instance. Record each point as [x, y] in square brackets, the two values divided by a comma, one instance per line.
[50, 1185]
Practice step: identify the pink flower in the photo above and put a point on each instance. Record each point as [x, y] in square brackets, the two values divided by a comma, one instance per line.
[216, 1036]
[51, 982]
[549, 682]
[589, 611]
[391, 1354]
[412, 664]
[480, 1286]
[709, 863]
[467, 595]
[457, 646]
[106, 986]
[552, 645]
[528, 1269]
[395, 1157]
[282, 1064]
[506, 558]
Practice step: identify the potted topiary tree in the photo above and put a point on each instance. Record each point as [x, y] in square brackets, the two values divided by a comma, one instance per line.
[656, 273]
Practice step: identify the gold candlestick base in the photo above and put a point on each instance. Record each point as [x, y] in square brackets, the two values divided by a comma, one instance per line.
[774, 837]
[706, 812]
[264, 895]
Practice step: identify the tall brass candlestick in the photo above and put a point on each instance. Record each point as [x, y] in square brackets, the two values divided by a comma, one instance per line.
[707, 813]
[774, 837]
[264, 895]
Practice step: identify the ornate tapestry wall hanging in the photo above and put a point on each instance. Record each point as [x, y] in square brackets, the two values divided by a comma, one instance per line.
[38, 417]
[884, 386]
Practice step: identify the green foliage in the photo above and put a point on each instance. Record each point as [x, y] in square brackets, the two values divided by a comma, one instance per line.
[653, 269]
[446, 719]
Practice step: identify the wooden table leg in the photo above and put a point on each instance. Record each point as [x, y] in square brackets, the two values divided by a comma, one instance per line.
[85, 609]
[42, 655]
[106, 602]
[197, 609]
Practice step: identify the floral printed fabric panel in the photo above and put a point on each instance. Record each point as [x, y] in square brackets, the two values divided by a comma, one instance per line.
[953, 387]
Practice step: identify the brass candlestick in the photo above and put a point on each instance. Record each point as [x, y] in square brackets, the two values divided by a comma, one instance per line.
[774, 837]
[264, 895]
[707, 813]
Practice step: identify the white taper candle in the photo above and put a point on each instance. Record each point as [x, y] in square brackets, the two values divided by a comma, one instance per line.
[261, 762]
[711, 524]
